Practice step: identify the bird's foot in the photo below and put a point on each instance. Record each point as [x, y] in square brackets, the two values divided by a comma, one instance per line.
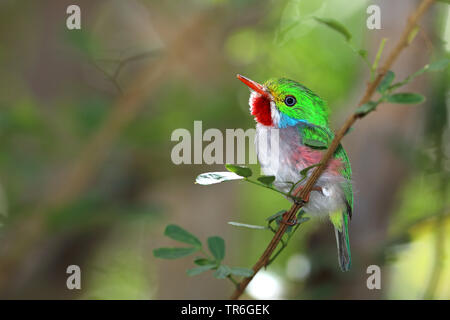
[285, 220]
[302, 201]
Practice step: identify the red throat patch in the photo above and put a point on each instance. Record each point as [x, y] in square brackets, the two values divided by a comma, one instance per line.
[261, 110]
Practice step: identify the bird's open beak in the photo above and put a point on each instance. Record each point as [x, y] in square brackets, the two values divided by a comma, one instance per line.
[255, 86]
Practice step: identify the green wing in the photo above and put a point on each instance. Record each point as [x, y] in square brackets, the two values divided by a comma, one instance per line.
[316, 136]
[347, 173]
[321, 137]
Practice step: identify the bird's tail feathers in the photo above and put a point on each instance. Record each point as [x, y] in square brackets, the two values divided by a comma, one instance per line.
[343, 243]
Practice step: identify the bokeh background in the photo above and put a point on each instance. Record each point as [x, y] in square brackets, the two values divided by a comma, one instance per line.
[86, 176]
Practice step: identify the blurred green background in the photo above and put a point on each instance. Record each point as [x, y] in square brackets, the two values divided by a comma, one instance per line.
[86, 175]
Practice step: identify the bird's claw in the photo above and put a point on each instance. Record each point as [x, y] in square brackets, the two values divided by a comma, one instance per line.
[292, 222]
[299, 201]
[303, 201]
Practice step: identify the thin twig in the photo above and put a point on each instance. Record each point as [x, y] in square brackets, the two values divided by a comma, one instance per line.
[233, 280]
[401, 44]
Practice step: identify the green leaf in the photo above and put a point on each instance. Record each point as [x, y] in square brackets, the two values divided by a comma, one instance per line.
[267, 180]
[217, 247]
[241, 272]
[302, 220]
[439, 65]
[363, 53]
[435, 66]
[304, 172]
[197, 270]
[406, 98]
[276, 215]
[241, 171]
[173, 253]
[366, 108]
[335, 25]
[222, 272]
[386, 81]
[316, 144]
[202, 261]
[250, 226]
[216, 177]
[177, 233]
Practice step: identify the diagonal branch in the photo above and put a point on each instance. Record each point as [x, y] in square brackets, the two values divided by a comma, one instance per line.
[371, 87]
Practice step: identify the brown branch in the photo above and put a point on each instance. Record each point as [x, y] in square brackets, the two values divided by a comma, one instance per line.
[401, 44]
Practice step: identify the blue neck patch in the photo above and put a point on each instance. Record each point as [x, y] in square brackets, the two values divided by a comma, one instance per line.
[286, 121]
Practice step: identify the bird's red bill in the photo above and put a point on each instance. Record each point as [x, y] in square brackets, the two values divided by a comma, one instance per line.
[255, 86]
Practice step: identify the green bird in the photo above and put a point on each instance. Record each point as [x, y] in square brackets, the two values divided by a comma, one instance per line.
[292, 131]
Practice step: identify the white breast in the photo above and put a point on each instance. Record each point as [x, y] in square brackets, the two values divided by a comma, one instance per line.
[273, 147]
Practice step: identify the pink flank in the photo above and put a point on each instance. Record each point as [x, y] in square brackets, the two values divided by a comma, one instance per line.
[306, 157]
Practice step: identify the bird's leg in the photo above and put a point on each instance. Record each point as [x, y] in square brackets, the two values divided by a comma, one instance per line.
[288, 222]
[303, 201]
[306, 198]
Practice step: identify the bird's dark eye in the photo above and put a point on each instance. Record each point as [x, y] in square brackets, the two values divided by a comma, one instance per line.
[290, 101]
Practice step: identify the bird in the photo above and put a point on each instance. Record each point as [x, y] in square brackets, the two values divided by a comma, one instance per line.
[292, 131]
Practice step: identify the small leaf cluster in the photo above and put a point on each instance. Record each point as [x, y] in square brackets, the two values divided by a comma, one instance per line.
[387, 87]
[262, 181]
[236, 172]
[206, 262]
[277, 218]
